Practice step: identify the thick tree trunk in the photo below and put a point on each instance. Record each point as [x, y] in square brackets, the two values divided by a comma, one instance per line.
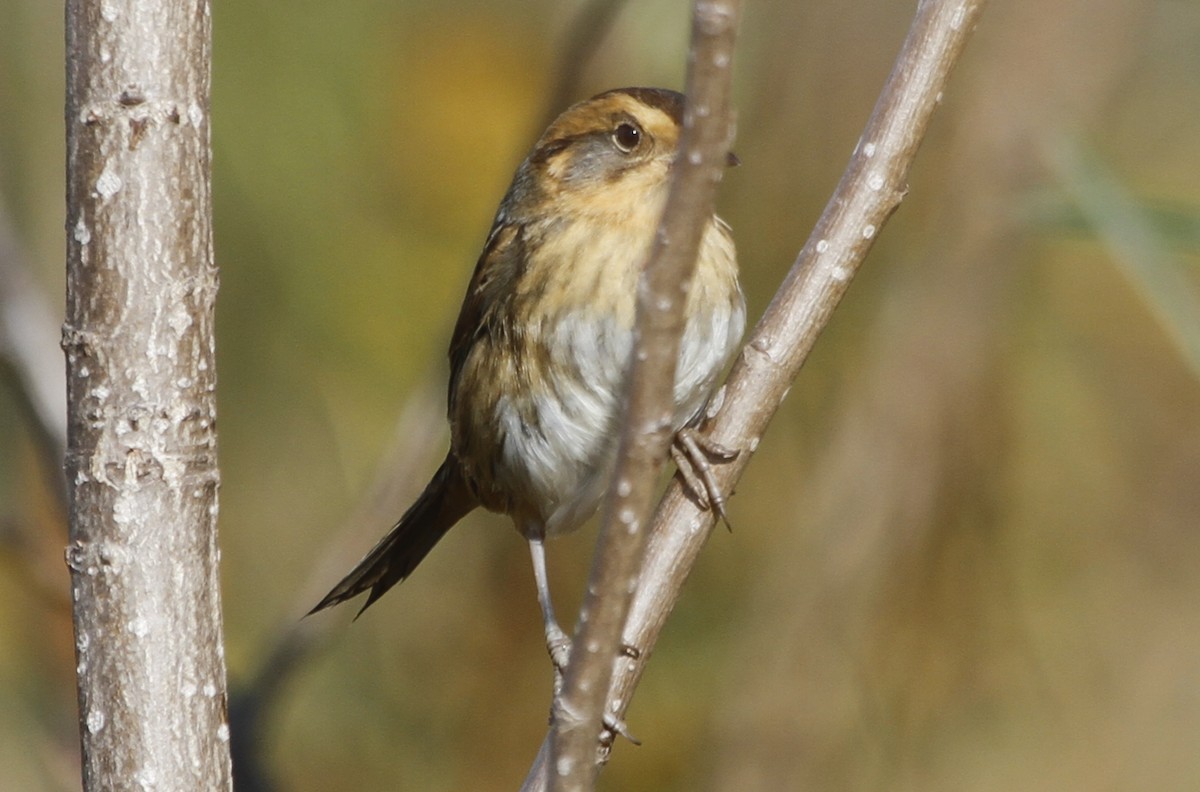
[141, 386]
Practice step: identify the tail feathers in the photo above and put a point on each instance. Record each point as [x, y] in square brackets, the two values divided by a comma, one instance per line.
[445, 501]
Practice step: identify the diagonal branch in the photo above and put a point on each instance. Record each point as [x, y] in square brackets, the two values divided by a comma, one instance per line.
[649, 406]
[29, 354]
[870, 190]
[588, 29]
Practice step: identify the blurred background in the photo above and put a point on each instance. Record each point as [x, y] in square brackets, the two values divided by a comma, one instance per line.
[966, 555]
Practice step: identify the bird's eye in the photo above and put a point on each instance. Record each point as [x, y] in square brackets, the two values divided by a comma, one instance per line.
[626, 137]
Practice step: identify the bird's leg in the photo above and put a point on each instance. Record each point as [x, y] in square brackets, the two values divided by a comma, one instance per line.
[557, 642]
[691, 453]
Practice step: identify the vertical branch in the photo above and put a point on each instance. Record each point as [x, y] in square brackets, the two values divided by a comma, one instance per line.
[141, 457]
[649, 405]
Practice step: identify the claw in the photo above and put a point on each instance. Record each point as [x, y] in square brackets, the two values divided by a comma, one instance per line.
[559, 647]
[615, 726]
[692, 453]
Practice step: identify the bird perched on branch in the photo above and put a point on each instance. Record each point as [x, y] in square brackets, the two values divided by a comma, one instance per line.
[540, 352]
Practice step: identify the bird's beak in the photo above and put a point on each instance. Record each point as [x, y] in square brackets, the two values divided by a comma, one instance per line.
[731, 160]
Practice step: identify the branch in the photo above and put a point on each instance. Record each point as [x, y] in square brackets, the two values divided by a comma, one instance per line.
[586, 33]
[870, 190]
[141, 396]
[296, 640]
[27, 353]
[646, 426]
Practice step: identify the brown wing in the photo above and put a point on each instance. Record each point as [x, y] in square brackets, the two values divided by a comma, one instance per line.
[499, 266]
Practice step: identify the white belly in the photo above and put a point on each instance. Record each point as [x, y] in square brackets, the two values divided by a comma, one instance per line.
[562, 459]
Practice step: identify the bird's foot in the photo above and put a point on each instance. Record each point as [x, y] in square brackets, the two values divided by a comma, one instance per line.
[558, 645]
[693, 455]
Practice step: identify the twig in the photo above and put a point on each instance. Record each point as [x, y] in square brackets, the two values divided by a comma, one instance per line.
[296, 639]
[649, 407]
[31, 369]
[870, 190]
[583, 38]
[29, 355]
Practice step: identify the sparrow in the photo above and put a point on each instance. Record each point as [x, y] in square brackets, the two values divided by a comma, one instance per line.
[540, 352]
